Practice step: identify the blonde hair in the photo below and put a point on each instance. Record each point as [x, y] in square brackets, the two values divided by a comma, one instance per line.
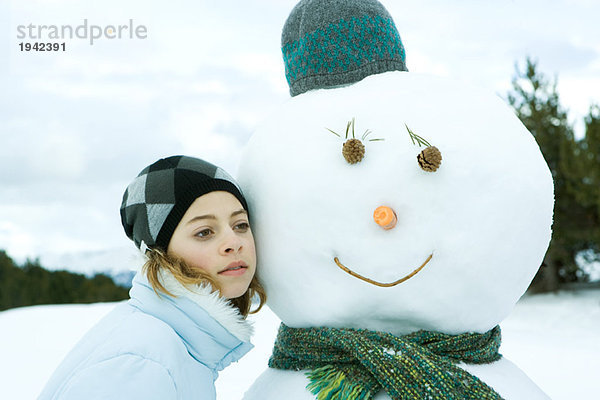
[186, 275]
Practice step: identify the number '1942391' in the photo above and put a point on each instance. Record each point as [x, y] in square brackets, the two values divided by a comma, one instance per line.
[25, 46]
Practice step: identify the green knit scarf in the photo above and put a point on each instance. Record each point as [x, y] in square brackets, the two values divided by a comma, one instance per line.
[355, 364]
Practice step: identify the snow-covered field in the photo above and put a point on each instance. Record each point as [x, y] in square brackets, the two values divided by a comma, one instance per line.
[554, 338]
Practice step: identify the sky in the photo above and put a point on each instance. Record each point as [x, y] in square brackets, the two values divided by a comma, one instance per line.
[76, 126]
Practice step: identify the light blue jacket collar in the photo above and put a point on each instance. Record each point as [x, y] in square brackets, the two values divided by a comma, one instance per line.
[214, 332]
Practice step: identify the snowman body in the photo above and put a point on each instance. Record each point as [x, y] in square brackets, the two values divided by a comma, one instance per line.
[506, 379]
[468, 239]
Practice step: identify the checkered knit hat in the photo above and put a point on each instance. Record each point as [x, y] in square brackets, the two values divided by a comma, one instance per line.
[157, 199]
[328, 43]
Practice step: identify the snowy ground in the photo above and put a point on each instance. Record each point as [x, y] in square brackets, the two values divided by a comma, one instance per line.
[554, 338]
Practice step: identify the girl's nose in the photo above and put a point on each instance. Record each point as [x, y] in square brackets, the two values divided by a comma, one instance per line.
[231, 243]
[385, 217]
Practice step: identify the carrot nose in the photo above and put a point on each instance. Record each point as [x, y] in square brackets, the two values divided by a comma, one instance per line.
[385, 217]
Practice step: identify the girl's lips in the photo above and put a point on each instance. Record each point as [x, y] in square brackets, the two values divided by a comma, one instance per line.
[235, 268]
[234, 272]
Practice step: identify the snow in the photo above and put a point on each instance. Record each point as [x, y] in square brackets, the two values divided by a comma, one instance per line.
[484, 215]
[553, 338]
[590, 268]
[469, 236]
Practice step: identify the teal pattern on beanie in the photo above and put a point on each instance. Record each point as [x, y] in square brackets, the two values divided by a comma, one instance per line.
[355, 364]
[329, 43]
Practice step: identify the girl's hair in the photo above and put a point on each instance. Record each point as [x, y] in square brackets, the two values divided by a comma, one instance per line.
[187, 275]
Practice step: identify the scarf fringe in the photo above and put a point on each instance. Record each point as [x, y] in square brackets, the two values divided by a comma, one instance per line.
[328, 383]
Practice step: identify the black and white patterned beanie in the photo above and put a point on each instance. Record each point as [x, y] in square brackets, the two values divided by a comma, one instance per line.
[157, 199]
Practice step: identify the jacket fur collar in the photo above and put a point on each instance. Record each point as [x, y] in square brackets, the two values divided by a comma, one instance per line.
[216, 306]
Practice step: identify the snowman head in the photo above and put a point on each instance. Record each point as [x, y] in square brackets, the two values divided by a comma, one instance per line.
[397, 203]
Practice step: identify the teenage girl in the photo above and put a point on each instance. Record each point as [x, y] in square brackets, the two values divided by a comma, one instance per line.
[185, 320]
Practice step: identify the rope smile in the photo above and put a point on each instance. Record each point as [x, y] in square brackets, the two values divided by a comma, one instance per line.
[407, 277]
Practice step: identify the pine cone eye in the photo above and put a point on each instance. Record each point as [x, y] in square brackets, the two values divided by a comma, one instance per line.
[353, 151]
[430, 159]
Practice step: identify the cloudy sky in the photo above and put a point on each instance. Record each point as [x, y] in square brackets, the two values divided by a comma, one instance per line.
[77, 126]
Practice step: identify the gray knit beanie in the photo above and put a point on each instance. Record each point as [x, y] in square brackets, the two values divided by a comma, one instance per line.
[328, 43]
[159, 196]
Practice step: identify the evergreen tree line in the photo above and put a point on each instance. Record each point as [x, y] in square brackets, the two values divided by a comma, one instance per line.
[575, 166]
[30, 284]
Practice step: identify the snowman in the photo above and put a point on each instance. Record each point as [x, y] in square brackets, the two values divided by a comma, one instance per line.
[398, 218]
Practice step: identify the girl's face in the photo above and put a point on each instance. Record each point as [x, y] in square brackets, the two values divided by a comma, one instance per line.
[214, 235]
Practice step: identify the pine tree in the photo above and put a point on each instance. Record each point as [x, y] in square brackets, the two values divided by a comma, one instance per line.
[590, 149]
[584, 184]
[537, 104]
[31, 284]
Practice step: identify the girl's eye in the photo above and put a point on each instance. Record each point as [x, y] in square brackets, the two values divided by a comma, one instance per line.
[203, 233]
[242, 227]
